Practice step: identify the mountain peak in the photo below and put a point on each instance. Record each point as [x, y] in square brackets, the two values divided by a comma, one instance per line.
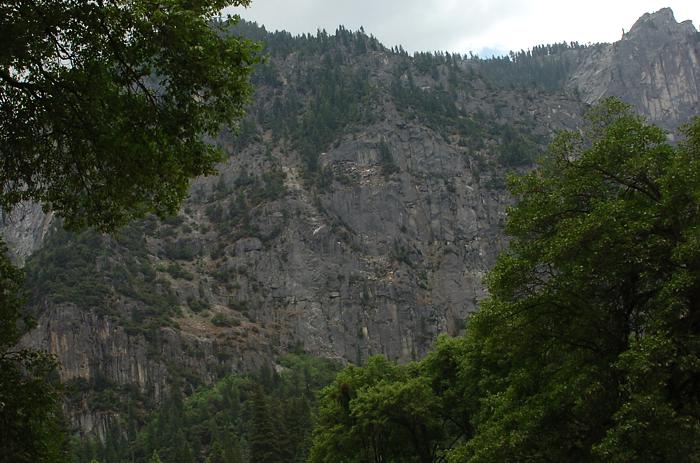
[661, 23]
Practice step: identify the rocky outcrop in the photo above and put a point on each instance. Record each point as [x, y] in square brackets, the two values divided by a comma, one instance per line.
[96, 353]
[655, 67]
[24, 229]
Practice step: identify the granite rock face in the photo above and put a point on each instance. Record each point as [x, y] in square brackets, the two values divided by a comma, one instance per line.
[381, 257]
[655, 66]
[24, 229]
[97, 351]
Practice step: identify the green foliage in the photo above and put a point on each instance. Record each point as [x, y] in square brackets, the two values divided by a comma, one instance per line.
[175, 270]
[197, 305]
[182, 249]
[267, 435]
[274, 185]
[231, 212]
[515, 148]
[590, 326]
[401, 253]
[386, 160]
[282, 43]
[12, 298]
[592, 293]
[386, 412]
[338, 97]
[107, 103]
[242, 418]
[588, 347]
[31, 421]
[96, 272]
[65, 270]
[434, 106]
[323, 101]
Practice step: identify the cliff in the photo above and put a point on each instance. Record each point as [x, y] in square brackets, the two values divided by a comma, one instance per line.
[655, 67]
[359, 209]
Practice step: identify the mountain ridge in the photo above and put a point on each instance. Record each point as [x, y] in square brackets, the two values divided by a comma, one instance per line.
[360, 207]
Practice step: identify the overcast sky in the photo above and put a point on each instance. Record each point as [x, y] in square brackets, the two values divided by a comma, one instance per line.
[480, 26]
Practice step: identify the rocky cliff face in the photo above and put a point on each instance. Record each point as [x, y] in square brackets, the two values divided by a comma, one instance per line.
[105, 365]
[362, 205]
[655, 67]
[24, 229]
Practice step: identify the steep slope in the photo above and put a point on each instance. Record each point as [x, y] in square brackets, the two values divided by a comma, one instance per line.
[360, 207]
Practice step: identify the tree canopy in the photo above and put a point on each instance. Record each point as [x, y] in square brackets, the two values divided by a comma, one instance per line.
[593, 315]
[106, 104]
[587, 348]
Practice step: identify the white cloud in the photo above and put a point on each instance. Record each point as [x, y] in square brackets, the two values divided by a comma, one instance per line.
[464, 25]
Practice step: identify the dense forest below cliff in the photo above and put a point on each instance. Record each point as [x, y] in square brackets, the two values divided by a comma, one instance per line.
[264, 416]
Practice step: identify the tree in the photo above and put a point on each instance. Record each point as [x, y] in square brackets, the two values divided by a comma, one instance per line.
[588, 347]
[31, 423]
[267, 435]
[382, 412]
[105, 103]
[107, 107]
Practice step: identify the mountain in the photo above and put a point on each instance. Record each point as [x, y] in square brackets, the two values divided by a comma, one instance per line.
[654, 67]
[359, 209]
